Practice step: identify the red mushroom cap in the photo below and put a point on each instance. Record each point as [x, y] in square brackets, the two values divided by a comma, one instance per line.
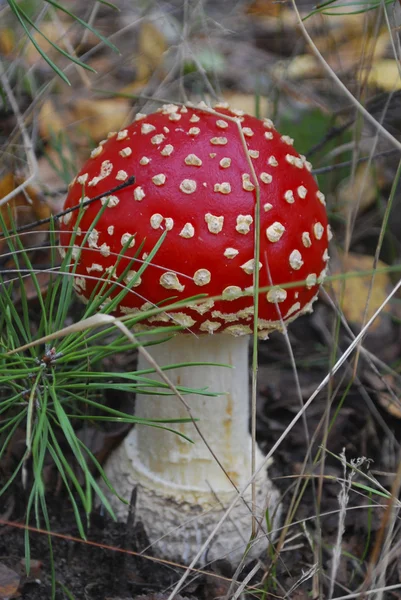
[193, 179]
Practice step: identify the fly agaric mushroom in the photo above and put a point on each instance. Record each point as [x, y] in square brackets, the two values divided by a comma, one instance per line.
[195, 174]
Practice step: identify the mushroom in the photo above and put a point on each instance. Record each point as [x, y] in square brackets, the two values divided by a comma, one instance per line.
[197, 171]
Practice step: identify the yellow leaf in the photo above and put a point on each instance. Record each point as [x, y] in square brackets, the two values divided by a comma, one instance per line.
[25, 207]
[357, 193]
[51, 122]
[98, 117]
[385, 74]
[303, 66]
[151, 48]
[352, 292]
[7, 41]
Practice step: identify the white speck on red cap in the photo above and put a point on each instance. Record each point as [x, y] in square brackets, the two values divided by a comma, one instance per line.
[214, 223]
[247, 131]
[194, 119]
[167, 150]
[272, 160]
[111, 201]
[156, 220]
[188, 186]
[170, 281]
[307, 242]
[221, 124]
[289, 197]
[169, 109]
[276, 294]
[139, 193]
[96, 151]
[321, 198]
[268, 123]
[144, 160]
[193, 160]
[318, 230]
[268, 135]
[253, 153]
[169, 223]
[302, 191]
[244, 223]
[267, 206]
[104, 250]
[157, 139]
[231, 252]
[225, 162]
[329, 233]
[194, 131]
[147, 128]
[67, 218]
[188, 231]
[311, 280]
[287, 140]
[122, 175]
[122, 135]
[130, 276]
[249, 266]
[222, 188]
[247, 184]
[82, 179]
[275, 231]
[296, 261]
[94, 267]
[159, 179]
[218, 141]
[231, 292]
[202, 277]
[266, 177]
[125, 152]
[125, 238]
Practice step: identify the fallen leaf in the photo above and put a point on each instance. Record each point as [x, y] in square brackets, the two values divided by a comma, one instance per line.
[265, 8]
[7, 41]
[303, 66]
[49, 30]
[27, 206]
[98, 117]
[385, 74]
[352, 292]
[52, 121]
[151, 48]
[358, 192]
[9, 582]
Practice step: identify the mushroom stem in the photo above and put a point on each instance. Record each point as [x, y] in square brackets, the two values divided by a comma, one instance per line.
[223, 420]
[179, 480]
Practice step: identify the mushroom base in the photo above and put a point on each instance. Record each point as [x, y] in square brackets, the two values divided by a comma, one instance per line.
[178, 528]
[182, 489]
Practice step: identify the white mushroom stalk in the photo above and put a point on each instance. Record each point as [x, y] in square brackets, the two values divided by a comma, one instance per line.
[182, 489]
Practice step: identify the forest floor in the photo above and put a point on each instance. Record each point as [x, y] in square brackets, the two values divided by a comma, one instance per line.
[256, 56]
